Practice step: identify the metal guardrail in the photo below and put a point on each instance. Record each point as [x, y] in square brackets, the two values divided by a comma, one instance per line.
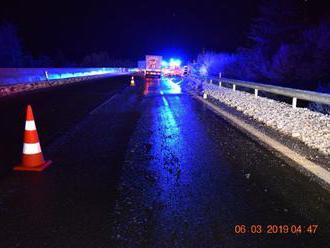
[13, 76]
[295, 94]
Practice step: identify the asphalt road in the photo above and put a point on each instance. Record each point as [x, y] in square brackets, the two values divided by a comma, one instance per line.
[148, 166]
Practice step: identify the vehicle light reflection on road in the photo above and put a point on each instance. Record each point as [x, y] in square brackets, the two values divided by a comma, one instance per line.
[168, 144]
[168, 120]
[162, 86]
[173, 87]
[186, 166]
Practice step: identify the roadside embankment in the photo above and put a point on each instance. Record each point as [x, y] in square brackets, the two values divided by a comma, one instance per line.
[260, 118]
[312, 128]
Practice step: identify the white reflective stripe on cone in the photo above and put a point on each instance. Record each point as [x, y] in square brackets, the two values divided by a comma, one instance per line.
[30, 126]
[29, 149]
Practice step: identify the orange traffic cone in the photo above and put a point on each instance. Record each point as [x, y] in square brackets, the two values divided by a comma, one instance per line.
[32, 158]
[132, 81]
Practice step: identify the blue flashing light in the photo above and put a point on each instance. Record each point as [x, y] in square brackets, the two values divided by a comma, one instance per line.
[203, 70]
[164, 63]
[175, 62]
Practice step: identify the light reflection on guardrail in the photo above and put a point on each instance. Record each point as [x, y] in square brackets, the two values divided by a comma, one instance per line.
[12, 76]
[295, 94]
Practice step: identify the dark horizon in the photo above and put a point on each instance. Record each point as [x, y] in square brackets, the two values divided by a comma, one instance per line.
[129, 30]
[75, 29]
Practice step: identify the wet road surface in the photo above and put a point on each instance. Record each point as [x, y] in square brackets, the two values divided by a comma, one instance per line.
[151, 167]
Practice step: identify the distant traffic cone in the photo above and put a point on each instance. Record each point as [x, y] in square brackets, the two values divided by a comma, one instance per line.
[32, 158]
[132, 81]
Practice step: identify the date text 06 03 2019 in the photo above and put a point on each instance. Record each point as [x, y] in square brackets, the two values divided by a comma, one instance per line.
[275, 229]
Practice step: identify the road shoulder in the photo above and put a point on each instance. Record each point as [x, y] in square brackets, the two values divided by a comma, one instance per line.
[307, 161]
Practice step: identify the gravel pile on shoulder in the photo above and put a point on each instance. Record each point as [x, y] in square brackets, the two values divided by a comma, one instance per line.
[310, 127]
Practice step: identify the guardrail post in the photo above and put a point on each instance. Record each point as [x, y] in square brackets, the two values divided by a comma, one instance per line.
[46, 75]
[234, 87]
[220, 83]
[294, 102]
[204, 95]
[255, 93]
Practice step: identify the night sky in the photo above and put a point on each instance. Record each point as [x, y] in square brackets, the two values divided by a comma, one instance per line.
[130, 29]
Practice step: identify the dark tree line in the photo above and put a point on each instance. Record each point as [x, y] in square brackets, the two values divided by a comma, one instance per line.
[287, 47]
[13, 54]
[103, 59]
